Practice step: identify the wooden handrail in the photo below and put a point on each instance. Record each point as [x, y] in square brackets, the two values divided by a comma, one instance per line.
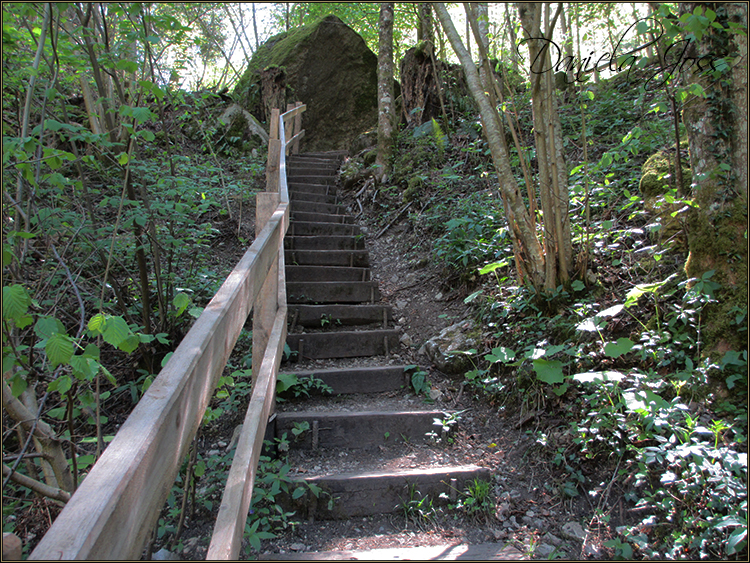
[114, 510]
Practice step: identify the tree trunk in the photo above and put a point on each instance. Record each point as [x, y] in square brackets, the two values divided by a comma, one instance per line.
[386, 110]
[526, 245]
[717, 133]
[549, 147]
[424, 26]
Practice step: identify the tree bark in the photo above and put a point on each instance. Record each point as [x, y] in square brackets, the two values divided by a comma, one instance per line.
[717, 132]
[386, 110]
[549, 147]
[526, 244]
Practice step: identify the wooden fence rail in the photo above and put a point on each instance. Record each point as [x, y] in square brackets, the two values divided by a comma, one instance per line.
[115, 509]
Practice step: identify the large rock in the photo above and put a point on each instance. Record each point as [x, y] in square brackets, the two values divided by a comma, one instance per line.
[326, 66]
[445, 349]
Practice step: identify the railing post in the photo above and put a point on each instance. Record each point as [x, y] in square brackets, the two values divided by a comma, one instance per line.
[274, 148]
[297, 129]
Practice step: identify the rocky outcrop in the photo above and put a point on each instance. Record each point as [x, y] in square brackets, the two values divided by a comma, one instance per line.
[326, 66]
[447, 351]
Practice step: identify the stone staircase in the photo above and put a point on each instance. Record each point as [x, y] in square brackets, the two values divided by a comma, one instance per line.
[340, 332]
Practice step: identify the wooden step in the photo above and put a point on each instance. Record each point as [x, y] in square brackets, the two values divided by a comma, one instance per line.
[355, 430]
[367, 493]
[326, 273]
[449, 552]
[324, 242]
[332, 292]
[312, 197]
[311, 207]
[344, 381]
[303, 228]
[327, 180]
[344, 344]
[302, 187]
[335, 315]
[351, 258]
[308, 217]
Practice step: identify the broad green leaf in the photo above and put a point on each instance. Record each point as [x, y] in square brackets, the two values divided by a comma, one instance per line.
[181, 302]
[45, 327]
[16, 302]
[130, 344]
[116, 331]
[549, 371]
[494, 266]
[123, 159]
[617, 349]
[19, 385]
[126, 65]
[85, 366]
[501, 354]
[141, 115]
[59, 349]
[62, 385]
[97, 322]
[641, 289]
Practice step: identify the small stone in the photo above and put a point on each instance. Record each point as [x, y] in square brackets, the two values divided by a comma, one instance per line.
[591, 549]
[165, 555]
[394, 279]
[221, 444]
[297, 547]
[544, 550]
[439, 296]
[513, 522]
[435, 394]
[406, 340]
[574, 531]
[402, 321]
[212, 453]
[551, 539]
[528, 521]
[530, 513]
[401, 304]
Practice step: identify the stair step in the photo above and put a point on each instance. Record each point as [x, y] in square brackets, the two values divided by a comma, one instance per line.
[297, 168]
[344, 344]
[340, 315]
[303, 228]
[352, 258]
[311, 207]
[367, 493]
[297, 187]
[312, 197]
[332, 292]
[355, 430]
[309, 217]
[449, 552]
[344, 381]
[327, 180]
[324, 242]
[326, 273]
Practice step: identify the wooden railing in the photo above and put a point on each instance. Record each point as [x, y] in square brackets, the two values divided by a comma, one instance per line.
[115, 509]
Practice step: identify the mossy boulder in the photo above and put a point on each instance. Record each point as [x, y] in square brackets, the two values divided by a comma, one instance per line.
[447, 351]
[661, 196]
[326, 66]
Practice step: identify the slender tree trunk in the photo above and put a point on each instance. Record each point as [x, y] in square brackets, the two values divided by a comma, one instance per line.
[526, 245]
[549, 146]
[386, 109]
[255, 28]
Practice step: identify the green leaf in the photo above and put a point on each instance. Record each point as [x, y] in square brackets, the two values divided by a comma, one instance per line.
[123, 159]
[549, 371]
[501, 354]
[19, 385]
[116, 331]
[16, 302]
[126, 65]
[62, 385]
[181, 302]
[634, 294]
[494, 266]
[45, 327]
[59, 349]
[85, 366]
[617, 349]
[142, 115]
[147, 135]
[736, 541]
[130, 344]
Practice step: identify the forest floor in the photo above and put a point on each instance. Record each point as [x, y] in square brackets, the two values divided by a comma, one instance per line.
[528, 514]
